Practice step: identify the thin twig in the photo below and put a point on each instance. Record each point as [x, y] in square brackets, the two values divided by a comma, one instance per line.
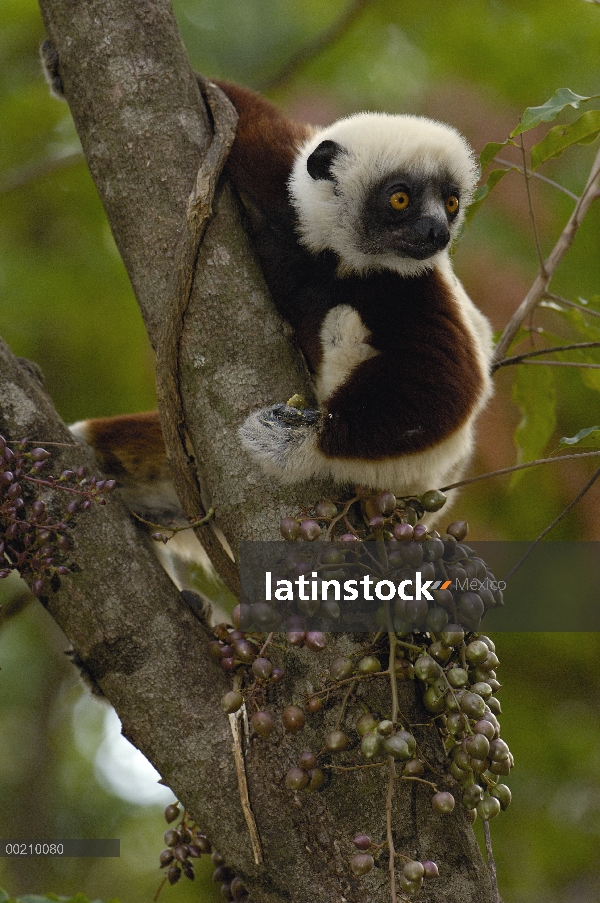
[538, 175]
[491, 862]
[540, 285]
[240, 767]
[556, 520]
[565, 301]
[503, 470]
[388, 827]
[342, 710]
[565, 364]
[314, 47]
[521, 357]
[536, 237]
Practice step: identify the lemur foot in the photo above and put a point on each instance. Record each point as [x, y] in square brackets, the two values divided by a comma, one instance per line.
[283, 440]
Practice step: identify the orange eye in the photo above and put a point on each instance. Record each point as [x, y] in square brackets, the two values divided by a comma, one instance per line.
[452, 204]
[399, 200]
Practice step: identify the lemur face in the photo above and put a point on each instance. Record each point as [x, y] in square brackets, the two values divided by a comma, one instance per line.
[410, 214]
[383, 192]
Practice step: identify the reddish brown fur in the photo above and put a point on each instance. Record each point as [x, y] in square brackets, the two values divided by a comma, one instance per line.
[129, 445]
[264, 149]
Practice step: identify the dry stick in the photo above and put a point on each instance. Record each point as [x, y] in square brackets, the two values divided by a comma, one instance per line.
[391, 760]
[491, 861]
[581, 307]
[540, 285]
[521, 357]
[503, 470]
[581, 364]
[314, 47]
[170, 402]
[551, 526]
[240, 767]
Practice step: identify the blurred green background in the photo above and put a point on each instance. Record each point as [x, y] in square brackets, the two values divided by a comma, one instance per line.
[66, 303]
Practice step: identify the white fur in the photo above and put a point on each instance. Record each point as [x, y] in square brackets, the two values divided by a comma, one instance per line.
[345, 346]
[375, 145]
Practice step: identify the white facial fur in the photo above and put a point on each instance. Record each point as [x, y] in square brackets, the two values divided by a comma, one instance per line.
[376, 145]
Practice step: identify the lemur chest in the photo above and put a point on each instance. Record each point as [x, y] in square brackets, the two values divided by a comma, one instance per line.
[345, 344]
[402, 352]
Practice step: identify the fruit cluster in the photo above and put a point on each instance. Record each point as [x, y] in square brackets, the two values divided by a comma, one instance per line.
[32, 538]
[185, 843]
[435, 642]
[414, 554]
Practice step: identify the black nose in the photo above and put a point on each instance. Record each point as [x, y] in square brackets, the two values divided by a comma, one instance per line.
[432, 232]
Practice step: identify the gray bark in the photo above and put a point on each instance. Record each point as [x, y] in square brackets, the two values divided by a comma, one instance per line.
[143, 128]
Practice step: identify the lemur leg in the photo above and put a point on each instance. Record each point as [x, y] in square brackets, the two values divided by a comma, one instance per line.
[283, 440]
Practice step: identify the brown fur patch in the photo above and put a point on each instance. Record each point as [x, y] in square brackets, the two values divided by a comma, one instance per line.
[264, 149]
[422, 385]
[129, 445]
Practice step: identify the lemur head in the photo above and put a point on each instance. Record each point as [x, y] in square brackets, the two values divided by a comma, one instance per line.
[383, 191]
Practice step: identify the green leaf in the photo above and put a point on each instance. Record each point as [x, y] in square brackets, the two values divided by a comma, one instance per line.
[583, 131]
[588, 329]
[591, 432]
[533, 391]
[481, 193]
[548, 111]
[490, 150]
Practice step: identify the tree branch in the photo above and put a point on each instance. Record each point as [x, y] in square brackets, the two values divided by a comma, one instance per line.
[503, 470]
[131, 630]
[522, 357]
[539, 287]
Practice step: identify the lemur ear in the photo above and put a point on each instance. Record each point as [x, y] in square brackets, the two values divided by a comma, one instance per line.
[322, 158]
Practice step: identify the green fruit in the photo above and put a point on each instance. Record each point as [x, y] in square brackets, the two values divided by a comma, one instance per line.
[397, 747]
[370, 745]
[316, 778]
[443, 802]
[489, 807]
[477, 745]
[436, 619]
[361, 864]
[502, 794]
[232, 701]
[433, 701]
[433, 500]
[473, 705]
[385, 727]
[365, 724]
[472, 796]
[413, 870]
[336, 741]
[476, 652]
[426, 668]
[453, 634]
[414, 768]
[457, 677]
[369, 664]
[296, 779]
[341, 668]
